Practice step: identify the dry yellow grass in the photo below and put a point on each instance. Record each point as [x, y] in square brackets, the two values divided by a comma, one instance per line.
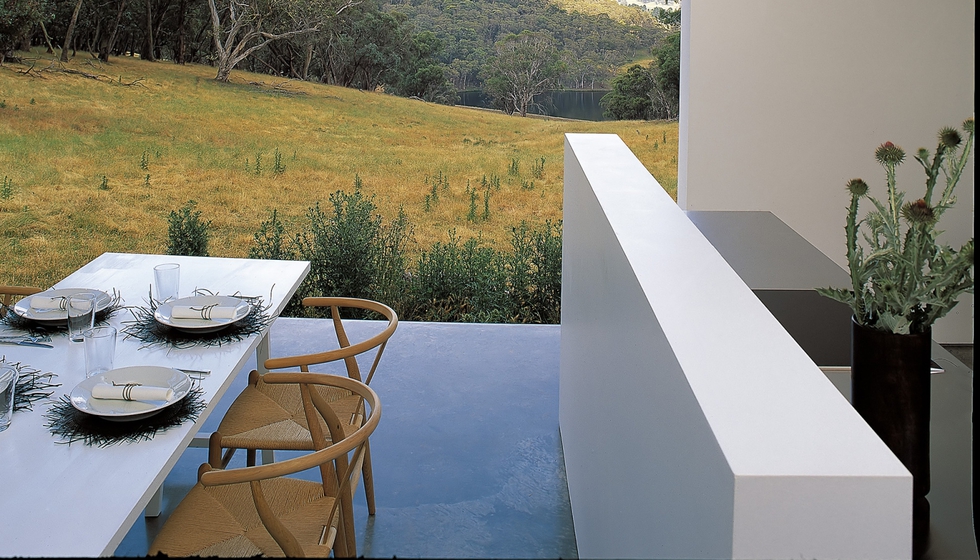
[60, 134]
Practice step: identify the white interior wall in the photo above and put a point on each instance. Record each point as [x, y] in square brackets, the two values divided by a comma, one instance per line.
[783, 102]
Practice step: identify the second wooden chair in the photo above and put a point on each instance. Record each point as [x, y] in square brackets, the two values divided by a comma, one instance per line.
[271, 417]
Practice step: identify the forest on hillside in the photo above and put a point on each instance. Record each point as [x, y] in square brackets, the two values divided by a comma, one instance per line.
[428, 49]
[591, 47]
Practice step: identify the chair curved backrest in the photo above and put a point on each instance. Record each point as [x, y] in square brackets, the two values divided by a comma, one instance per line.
[338, 471]
[347, 351]
[7, 294]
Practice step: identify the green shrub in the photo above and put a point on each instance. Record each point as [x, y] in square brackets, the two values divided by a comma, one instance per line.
[534, 270]
[270, 241]
[352, 253]
[187, 234]
[341, 246]
[392, 284]
[7, 189]
[460, 282]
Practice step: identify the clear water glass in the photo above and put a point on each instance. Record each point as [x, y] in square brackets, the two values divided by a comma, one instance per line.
[8, 385]
[166, 279]
[81, 314]
[100, 349]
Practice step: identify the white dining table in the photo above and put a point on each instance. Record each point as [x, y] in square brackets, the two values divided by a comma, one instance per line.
[80, 500]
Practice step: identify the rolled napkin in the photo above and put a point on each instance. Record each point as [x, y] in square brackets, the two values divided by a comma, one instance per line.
[131, 392]
[213, 311]
[47, 303]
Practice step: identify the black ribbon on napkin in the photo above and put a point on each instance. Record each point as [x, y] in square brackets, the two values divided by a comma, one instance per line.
[32, 385]
[37, 328]
[72, 425]
[145, 328]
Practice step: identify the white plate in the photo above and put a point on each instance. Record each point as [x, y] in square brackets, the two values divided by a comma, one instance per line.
[163, 313]
[118, 410]
[23, 306]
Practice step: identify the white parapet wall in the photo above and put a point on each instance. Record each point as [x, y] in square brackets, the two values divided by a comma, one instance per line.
[692, 424]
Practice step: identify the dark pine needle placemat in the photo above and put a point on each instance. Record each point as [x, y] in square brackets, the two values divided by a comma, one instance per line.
[32, 385]
[145, 328]
[72, 425]
[39, 328]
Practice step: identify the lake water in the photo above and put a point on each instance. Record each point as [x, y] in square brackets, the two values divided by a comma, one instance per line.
[583, 105]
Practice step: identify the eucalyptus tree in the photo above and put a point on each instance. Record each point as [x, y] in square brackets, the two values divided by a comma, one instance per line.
[71, 31]
[242, 27]
[665, 93]
[630, 96]
[525, 65]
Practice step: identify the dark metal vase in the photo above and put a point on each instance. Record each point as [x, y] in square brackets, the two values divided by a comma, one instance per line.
[891, 389]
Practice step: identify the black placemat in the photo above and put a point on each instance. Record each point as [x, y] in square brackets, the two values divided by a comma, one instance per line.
[72, 425]
[32, 385]
[42, 328]
[145, 328]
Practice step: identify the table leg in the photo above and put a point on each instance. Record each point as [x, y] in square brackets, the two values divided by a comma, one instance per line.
[155, 505]
[201, 440]
[262, 354]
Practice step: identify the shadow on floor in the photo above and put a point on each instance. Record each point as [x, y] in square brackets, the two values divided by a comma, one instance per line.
[962, 352]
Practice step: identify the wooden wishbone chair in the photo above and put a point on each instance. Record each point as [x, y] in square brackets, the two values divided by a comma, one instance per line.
[271, 417]
[258, 510]
[7, 294]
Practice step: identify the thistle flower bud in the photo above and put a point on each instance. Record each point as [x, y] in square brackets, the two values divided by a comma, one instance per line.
[889, 154]
[918, 212]
[968, 125]
[950, 137]
[923, 154]
[857, 187]
[967, 252]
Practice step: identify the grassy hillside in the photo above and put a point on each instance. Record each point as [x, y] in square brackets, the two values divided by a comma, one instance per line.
[624, 14]
[94, 165]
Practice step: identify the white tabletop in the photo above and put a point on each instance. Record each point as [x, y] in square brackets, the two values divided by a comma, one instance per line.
[77, 500]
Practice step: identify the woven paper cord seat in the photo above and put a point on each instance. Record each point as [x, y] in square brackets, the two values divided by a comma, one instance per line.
[7, 294]
[256, 510]
[270, 416]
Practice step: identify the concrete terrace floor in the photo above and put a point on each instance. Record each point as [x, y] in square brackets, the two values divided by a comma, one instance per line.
[467, 457]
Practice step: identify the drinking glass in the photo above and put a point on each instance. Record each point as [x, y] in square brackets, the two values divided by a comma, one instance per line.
[100, 347]
[8, 384]
[167, 278]
[81, 314]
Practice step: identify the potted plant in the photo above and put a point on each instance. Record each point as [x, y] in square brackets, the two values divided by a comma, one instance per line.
[902, 280]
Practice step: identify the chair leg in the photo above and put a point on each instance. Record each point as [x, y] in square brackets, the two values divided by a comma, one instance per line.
[368, 478]
[268, 456]
[347, 524]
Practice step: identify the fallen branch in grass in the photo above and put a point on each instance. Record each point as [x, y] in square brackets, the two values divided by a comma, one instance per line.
[280, 88]
[58, 67]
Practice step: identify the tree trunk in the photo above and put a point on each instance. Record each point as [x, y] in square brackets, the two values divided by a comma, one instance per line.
[148, 50]
[181, 47]
[47, 39]
[71, 30]
[108, 44]
[158, 30]
[306, 63]
[224, 68]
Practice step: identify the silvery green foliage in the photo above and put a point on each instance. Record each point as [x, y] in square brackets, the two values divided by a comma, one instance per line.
[902, 278]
